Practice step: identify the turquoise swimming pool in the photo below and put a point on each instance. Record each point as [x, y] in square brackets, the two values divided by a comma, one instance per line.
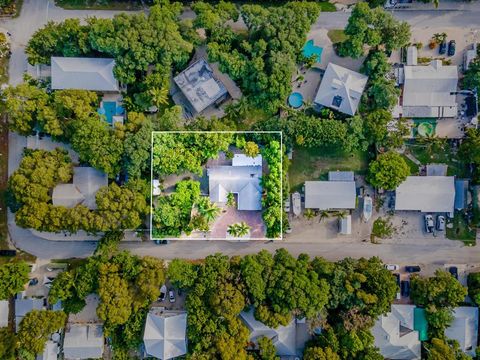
[110, 109]
[295, 100]
[311, 49]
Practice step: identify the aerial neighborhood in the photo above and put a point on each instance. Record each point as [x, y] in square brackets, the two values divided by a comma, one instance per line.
[239, 180]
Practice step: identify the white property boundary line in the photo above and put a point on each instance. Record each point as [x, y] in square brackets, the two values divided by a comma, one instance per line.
[217, 132]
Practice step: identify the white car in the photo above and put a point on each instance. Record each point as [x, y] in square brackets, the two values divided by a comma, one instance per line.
[440, 223]
[171, 296]
[392, 267]
[429, 225]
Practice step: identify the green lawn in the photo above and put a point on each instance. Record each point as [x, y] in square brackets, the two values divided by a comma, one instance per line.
[99, 4]
[439, 155]
[336, 36]
[314, 164]
[327, 6]
[413, 167]
[461, 230]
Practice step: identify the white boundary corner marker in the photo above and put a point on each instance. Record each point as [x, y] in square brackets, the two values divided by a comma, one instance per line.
[280, 133]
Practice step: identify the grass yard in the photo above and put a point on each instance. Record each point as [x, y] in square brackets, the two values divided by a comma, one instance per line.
[460, 230]
[336, 36]
[413, 167]
[439, 155]
[99, 4]
[327, 6]
[314, 164]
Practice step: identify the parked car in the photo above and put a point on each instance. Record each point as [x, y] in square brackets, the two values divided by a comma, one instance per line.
[392, 267]
[429, 225]
[161, 242]
[163, 293]
[454, 271]
[8, 252]
[171, 296]
[440, 223]
[412, 268]
[33, 282]
[451, 48]
[405, 288]
[287, 205]
[443, 47]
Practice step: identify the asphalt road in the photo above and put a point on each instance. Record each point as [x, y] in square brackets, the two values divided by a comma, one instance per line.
[36, 13]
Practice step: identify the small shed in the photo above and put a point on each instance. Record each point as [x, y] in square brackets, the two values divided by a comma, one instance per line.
[461, 190]
[345, 225]
[437, 170]
[156, 191]
[341, 176]
[412, 55]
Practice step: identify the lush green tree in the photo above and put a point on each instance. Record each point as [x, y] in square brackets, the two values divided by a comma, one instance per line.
[211, 17]
[375, 65]
[8, 344]
[388, 171]
[382, 93]
[36, 327]
[251, 149]
[267, 349]
[182, 273]
[13, 277]
[96, 144]
[318, 353]
[473, 282]
[373, 28]
[438, 349]
[470, 147]
[208, 209]
[471, 80]
[239, 229]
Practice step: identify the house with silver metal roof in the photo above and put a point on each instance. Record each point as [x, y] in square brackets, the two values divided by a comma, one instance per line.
[50, 351]
[341, 89]
[85, 184]
[24, 306]
[165, 335]
[330, 195]
[288, 340]
[95, 74]
[464, 328]
[3, 313]
[198, 87]
[428, 91]
[426, 194]
[83, 341]
[395, 335]
[242, 178]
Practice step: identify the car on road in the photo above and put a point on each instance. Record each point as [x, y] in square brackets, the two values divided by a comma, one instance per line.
[163, 293]
[412, 268]
[454, 271]
[33, 282]
[440, 223]
[392, 267]
[442, 49]
[451, 48]
[171, 296]
[405, 288]
[161, 242]
[429, 225]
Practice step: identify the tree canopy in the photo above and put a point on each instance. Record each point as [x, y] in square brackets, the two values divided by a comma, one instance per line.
[13, 277]
[388, 171]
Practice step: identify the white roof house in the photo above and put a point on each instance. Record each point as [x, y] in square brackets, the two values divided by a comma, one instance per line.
[199, 86]
[427, 91]
[426, 194]
[95, 74]
[242, 178]
[3, 313]
[341, 89]
[165, 335]
[83, 341]
[86, 182]
[50, 352]
[464, 328]
[23, 306]
[395, 335]
[328, 195]
[288, 340]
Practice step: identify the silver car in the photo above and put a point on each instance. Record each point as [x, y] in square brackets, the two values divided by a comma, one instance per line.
[440, 223]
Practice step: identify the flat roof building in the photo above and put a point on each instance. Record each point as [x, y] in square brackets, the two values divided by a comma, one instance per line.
[464, 328]
[83, 341]
[95, 74]
[426, 194]
[341, 89]
[428, 91]
[330, 195]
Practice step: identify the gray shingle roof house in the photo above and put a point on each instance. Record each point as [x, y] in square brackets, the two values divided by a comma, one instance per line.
[23, 306]
[200, 87]
[426, 194]
[427, 91]
[241, 178]
[288, 340]
[464, 328]
[330, 195]
[395, 335]
[86, 182]
[83, 341]
[341, 89]
[95, 74]
[165, 335]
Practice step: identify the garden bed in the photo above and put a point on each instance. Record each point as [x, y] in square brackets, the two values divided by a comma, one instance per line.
[461, 230]
[99, 4]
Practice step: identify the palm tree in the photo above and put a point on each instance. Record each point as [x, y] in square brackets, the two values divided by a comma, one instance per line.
[309, 214]
[239, 229]
[230, 199]
[208, 209]
[324, 214]
[159, 96]
[340, 214]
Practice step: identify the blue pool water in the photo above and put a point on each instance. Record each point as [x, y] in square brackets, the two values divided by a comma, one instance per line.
[311, 49]
[110, 110]
[295, 100]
